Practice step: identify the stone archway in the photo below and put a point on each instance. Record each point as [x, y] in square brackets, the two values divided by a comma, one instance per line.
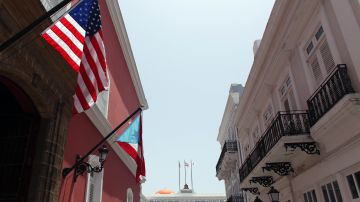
[19, 125]
[33, 128]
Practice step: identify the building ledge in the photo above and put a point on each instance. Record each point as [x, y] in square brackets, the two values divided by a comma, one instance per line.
[339, 125]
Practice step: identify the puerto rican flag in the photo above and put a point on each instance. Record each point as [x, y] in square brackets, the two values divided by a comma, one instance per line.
[131, 142]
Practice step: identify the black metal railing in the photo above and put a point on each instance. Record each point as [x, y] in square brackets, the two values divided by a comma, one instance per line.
[238, 198]
[229, 147]
[335, 87]
[284, 124]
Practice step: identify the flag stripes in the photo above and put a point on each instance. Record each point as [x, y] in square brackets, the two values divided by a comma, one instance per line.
[77, 36]
[92, 77]
[67, 37]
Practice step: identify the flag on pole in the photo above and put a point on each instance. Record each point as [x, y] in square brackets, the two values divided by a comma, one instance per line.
[131, 142]
[77, 36]
[186, 164]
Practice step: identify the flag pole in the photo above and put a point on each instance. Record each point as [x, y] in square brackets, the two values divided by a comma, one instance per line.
[66, 171]
[35, 23]
[179, 174]
[192, 185]
[185, 171]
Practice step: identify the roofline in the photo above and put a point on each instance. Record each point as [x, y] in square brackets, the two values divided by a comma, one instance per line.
[229, 107]
[118, 22]
[261, 55]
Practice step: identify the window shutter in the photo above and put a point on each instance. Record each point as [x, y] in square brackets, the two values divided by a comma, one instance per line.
[292, 100]
[327, 57]
[314, 63]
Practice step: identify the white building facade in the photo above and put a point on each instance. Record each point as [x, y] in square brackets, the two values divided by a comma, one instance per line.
[298, 118]
[227, 167]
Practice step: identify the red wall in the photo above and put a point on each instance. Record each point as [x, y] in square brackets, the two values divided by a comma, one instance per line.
[82, 134]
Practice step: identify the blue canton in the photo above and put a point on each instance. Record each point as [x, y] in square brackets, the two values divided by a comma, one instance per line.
[132, 133]
[87, 14]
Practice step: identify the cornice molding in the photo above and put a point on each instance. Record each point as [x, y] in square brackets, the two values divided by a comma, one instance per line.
[118, 22]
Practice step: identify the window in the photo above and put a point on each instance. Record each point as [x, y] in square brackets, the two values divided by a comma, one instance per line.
[129, 195]
[268, 114]
[94, 182]
[247, 149]
[331, 192]
[354, 184]
[319, 56]
[256, 133]
[287, 95]
[310, 196]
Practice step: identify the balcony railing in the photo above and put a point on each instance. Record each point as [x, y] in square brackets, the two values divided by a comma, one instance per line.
[235, 199]
[335, 87]
[230, 147]
[284, 124]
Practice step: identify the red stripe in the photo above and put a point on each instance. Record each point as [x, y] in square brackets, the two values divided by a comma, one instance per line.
[61, 51]
[98, 52]
[93, 67]
[67, 40]
[80, 95]
[129, 149]
[88, 83]
[73, 30]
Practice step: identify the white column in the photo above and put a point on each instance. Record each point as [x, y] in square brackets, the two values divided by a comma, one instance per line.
[350, 30]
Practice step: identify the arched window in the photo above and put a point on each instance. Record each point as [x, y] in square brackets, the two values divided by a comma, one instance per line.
[129, 195]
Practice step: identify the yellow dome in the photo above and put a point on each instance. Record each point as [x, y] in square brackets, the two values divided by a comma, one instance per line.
[165, 191]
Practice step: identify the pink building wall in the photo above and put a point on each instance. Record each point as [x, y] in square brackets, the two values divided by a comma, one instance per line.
[83, 135]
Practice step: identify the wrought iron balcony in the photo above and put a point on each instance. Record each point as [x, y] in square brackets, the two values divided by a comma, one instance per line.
[335, 87]
[229, 147]
[287, 123]
[238, 198]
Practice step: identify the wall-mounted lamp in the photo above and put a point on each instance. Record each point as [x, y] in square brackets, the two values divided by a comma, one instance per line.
[257, 200]
[81, 166]
[274, 195]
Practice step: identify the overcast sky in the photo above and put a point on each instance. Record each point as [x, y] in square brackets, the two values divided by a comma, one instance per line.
[188, 52]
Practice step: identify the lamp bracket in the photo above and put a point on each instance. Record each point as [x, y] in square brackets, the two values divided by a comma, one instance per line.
[265, 181]
[308, 147]
[81, 167]
[280, 168]
[253, 190]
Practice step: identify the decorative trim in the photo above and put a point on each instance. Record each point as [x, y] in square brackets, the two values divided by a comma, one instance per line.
[104, 127]
[119, 25]
[280, 168]
[253, 190]
[308, 147]
[265, 181]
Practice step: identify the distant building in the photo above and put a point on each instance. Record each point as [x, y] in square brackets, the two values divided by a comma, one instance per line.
[227, 167]
[184, 195]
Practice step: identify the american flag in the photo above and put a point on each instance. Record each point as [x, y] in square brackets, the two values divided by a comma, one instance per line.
[77, 36]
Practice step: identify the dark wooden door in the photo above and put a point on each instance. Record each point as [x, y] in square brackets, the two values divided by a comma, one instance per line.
[17, 137]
